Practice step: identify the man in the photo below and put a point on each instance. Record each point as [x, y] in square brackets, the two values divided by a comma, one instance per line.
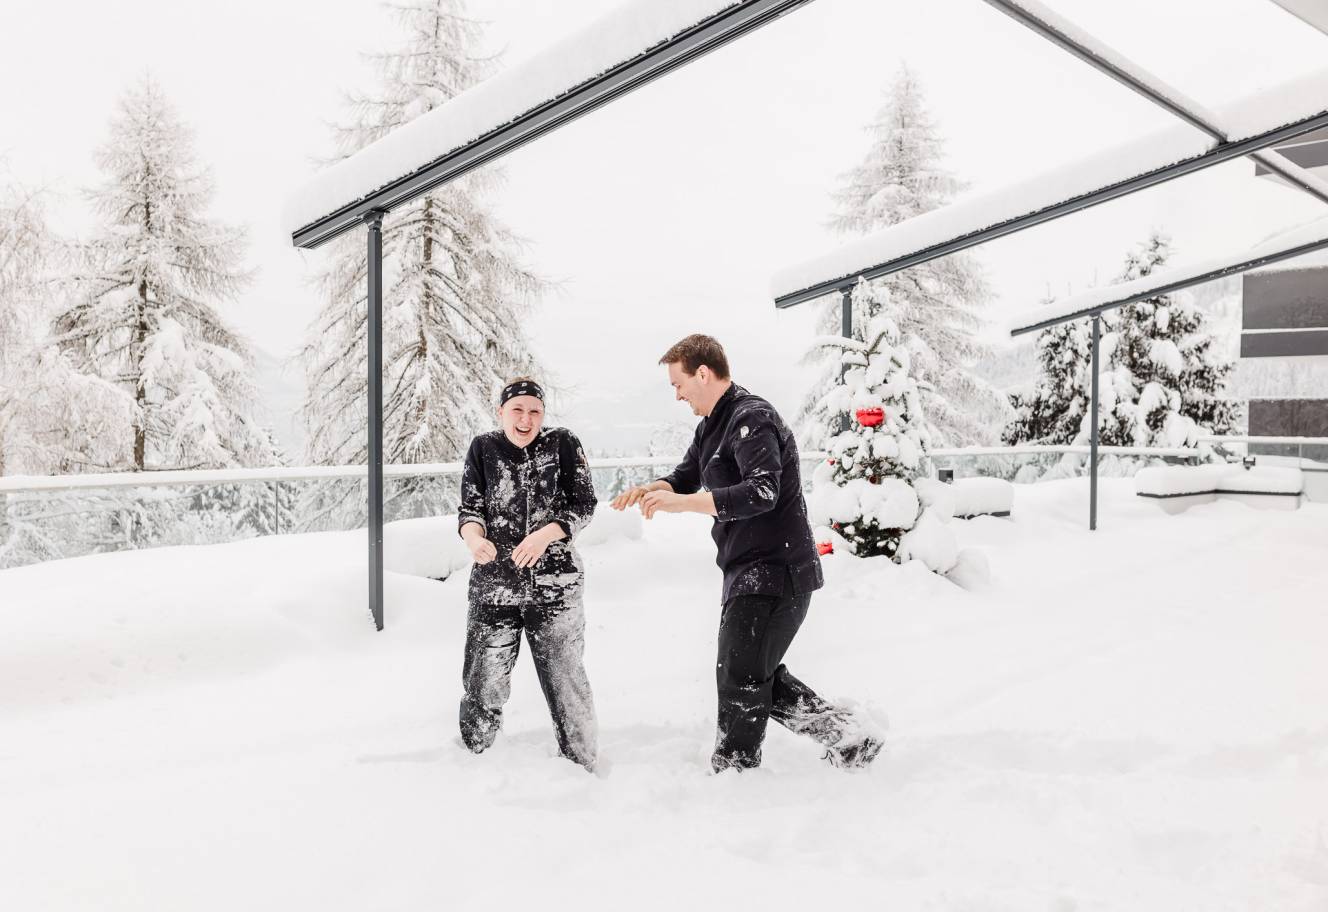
[746, 460]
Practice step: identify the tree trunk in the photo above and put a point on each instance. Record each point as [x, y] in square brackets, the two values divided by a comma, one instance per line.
[140, 386]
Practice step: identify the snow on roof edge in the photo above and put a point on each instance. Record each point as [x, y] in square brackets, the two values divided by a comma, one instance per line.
[1248, 116]
[615, 38]
[1306, 233]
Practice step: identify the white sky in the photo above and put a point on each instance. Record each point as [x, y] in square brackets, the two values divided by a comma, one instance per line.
[666, 212]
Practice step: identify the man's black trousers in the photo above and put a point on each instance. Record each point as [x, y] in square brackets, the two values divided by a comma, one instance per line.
[754, 685]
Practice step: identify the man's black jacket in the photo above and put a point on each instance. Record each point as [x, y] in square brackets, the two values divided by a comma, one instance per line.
[746, 456]
[512, 491]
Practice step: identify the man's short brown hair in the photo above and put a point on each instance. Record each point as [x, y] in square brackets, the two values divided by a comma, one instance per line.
[696, 350]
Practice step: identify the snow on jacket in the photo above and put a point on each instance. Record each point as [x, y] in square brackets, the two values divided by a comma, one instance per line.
[747, 458]
[512, 491]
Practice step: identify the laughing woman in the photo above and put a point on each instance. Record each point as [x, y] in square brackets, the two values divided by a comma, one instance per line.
[525, 494]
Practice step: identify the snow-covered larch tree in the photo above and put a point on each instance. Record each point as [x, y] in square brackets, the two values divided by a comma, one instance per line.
[53, 419]
[455, 294]
[150, 286]
[875, 490]
[938, 303]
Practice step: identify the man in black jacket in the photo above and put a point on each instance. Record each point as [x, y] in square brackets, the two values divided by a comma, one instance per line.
[526, 492]
[746, 459]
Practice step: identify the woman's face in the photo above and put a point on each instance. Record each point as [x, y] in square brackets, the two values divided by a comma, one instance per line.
[521, 418]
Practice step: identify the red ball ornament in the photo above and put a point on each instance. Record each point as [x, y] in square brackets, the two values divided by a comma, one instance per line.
[870, 417]
[824, 548]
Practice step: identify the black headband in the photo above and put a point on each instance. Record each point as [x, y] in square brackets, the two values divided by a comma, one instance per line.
[521, 388]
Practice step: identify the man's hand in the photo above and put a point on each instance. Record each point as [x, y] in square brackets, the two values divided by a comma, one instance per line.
[533, 546]
[663, 502]
[631, 497]
[481, 549]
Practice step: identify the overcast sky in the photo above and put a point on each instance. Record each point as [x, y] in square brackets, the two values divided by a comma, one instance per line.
[666, 212]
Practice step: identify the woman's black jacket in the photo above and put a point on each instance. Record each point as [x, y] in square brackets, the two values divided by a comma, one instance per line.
[512, 491]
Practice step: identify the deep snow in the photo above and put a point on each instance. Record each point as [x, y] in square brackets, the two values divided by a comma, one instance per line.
[1128, 719]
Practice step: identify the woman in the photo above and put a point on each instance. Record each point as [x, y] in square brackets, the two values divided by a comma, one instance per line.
[525, 494]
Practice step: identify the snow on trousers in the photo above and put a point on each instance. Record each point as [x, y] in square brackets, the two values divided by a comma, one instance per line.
[556, 634]
[754, 685]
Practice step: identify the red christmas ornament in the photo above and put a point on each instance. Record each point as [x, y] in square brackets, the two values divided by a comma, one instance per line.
[870, 417]
[824, 548]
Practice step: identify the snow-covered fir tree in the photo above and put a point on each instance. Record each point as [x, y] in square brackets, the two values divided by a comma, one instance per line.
[938, 303]
[875, 489]
[1162, 376]
[455, 294]
[1052, 410]
[151, 284]
[1169, 377]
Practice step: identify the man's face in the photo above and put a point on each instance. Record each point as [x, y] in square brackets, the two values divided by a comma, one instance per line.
[521, 418]
[693, 389]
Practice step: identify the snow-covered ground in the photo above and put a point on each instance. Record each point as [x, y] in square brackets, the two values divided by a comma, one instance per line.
[1130, 719]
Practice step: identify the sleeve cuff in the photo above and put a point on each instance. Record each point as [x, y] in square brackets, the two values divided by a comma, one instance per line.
[566, 526]
[465, 518]
[722, 498]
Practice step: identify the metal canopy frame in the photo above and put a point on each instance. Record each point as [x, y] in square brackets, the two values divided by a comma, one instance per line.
[1178, 284]
[1158, 93]
[1155, 90]
[707, 35]
[713, 32]
[1219, 154]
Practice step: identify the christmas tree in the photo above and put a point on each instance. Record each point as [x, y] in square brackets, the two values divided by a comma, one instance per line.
[875, 489]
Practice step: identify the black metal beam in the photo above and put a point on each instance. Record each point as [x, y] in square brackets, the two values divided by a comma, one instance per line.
[1197, 279]
[1093, 433]
[1223, 152]
[374, 222]
[707, 35]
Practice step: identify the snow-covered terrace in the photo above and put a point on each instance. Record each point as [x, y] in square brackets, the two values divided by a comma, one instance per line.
[218, 728]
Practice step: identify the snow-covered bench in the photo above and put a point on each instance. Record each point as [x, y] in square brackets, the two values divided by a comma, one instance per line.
[982, 497]
[1177, 488]
[965, 498]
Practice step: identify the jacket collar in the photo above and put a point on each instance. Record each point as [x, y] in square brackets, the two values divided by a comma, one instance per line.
[726, 402]
[511, 450]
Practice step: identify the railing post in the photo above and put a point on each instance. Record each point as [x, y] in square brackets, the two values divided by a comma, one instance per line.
[846, 329]
[374, 317]
[1093, 434]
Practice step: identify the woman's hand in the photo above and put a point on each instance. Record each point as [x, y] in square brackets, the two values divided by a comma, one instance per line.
[481, 549]
[533, 546]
